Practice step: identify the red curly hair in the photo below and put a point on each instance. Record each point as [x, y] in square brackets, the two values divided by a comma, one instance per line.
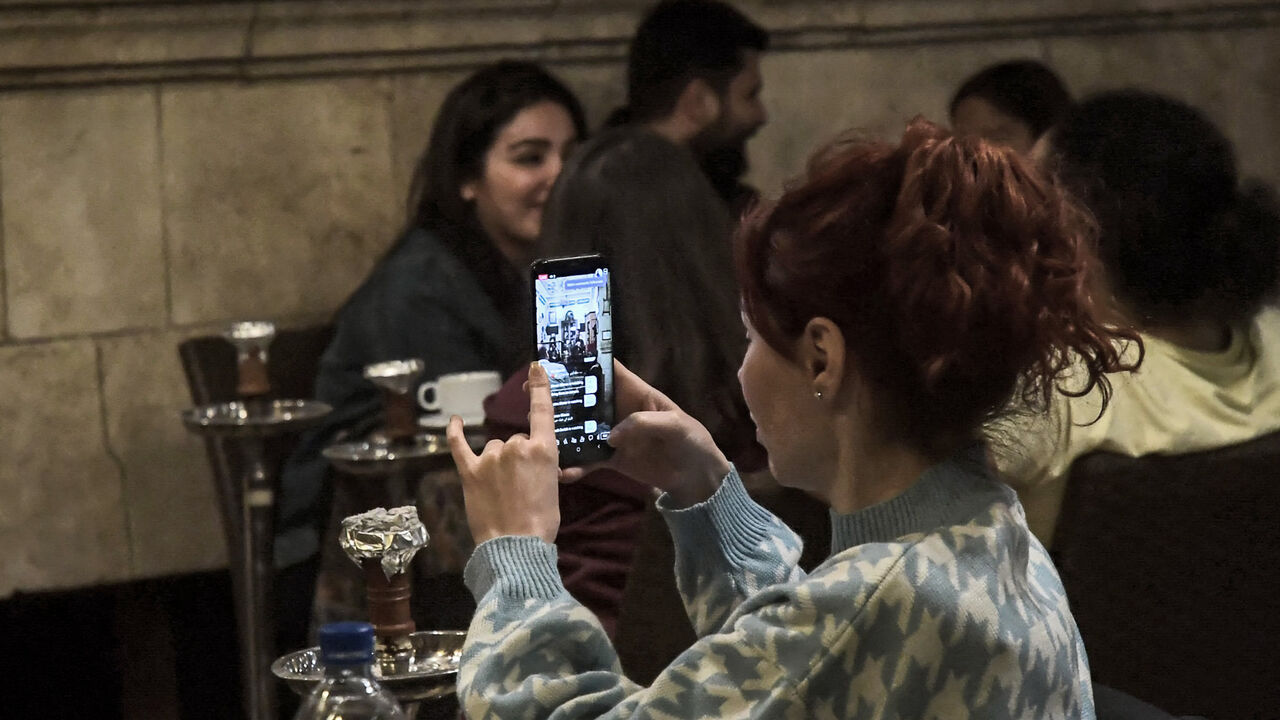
[957, 274]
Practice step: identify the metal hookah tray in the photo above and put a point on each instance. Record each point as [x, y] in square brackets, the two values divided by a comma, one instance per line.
[431, 674]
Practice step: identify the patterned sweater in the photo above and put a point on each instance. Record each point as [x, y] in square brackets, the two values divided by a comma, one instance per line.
[935, 604]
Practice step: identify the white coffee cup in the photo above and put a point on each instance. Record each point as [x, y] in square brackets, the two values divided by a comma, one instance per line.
[459, 393]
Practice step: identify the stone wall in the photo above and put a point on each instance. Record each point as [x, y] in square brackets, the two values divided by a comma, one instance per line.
[168, 167]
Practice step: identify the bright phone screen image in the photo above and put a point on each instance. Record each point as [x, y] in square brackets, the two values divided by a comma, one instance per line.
[573, 322]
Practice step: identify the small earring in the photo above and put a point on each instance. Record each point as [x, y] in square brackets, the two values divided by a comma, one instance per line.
[817, 394]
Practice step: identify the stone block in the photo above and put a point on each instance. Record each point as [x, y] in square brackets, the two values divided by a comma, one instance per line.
[286, 34]
[172, 509]
[1188, 66]
[1255, 103]
[82, 231]
[787, 17]
[889, 13]
[278, 197]
[4, 311]
[1232, 76]
[62, 519]
[120, 35]
[814, 96]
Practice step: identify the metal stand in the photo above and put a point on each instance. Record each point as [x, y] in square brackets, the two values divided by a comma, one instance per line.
[431, 675]
[372, 458]
[248, 424]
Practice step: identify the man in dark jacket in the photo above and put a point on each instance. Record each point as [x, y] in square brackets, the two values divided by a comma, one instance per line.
[693, 76]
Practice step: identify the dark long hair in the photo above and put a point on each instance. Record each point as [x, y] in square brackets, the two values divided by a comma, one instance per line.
[643, 203]
[1024, 89]
[469, 120]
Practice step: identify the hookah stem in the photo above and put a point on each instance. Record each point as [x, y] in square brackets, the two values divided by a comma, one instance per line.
[258, 508]
[400, 416]
[253, 379]
[388, 604]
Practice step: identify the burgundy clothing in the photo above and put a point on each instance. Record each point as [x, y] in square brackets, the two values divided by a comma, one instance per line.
[601, 516]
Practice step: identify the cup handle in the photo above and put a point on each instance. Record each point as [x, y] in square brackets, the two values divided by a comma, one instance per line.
[432, 387]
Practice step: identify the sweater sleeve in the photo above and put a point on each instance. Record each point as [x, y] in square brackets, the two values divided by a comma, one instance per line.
[727, 549]
[533, 652]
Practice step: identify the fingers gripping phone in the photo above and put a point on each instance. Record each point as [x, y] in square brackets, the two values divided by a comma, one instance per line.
[573, 330]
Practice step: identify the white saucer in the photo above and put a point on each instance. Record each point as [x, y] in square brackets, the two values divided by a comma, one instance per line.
[440, 421]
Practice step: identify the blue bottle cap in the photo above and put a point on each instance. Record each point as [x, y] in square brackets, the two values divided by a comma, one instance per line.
[346, 643]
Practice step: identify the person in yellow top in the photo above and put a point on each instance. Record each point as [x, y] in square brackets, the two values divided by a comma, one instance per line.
[1191, 261]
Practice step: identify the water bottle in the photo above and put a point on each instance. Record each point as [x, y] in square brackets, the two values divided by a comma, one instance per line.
[349, 690]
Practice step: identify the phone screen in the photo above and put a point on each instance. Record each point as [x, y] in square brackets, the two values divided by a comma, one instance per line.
[573, 326]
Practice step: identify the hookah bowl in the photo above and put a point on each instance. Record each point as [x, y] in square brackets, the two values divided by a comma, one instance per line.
[251, 339]
[400, 450]
[395, 378]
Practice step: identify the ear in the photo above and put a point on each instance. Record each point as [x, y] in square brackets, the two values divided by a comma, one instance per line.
[1041, 153]
[699, 103]
[468, 191]
[823, 355]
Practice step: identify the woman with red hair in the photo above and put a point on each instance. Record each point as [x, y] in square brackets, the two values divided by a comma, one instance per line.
[894, 301]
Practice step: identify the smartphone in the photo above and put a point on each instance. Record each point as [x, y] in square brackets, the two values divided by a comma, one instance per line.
[573, 331]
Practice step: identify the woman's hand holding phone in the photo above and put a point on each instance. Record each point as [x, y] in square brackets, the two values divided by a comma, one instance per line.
[511, 487]
[658, 444]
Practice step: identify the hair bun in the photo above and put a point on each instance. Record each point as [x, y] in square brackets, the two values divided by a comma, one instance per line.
[956, 272]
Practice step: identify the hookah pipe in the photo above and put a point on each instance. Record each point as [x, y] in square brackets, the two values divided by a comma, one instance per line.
[395, 378]
[251, 340]
[383, 542]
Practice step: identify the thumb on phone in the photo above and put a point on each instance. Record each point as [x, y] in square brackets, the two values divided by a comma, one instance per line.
[573, 474]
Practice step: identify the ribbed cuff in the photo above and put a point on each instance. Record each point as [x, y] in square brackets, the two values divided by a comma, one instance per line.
[519, 567]
[729, 519]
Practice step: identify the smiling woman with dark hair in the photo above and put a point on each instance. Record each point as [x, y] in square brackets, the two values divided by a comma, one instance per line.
[894, 299]
[449, 291]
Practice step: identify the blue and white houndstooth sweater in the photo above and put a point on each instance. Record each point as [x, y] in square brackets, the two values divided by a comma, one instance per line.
[935, 604]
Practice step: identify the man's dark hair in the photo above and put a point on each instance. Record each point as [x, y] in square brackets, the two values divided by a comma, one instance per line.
[682, 40]
[1022, 89]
